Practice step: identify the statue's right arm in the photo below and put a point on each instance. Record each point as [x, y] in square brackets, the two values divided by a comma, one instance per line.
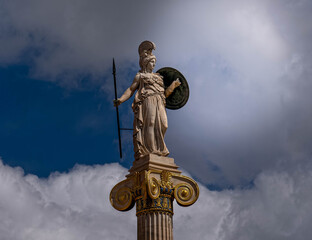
[129, 92]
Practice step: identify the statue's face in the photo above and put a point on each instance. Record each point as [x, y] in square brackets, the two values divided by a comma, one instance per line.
[150, 65]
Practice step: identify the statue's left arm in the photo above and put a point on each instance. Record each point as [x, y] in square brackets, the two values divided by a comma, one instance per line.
[176, 83]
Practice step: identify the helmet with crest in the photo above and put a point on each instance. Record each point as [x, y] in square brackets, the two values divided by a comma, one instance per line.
[145, 52]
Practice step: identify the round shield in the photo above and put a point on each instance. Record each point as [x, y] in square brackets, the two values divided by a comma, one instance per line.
[180, 94]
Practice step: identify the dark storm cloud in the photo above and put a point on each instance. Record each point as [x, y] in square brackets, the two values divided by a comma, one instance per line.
[251, 110]
[247, 62]
[67, 39]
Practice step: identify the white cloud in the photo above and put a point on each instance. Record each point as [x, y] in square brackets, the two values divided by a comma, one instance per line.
[65, 206]
[75, 205]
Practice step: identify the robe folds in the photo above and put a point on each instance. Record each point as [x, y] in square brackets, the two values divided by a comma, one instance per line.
[150, 117]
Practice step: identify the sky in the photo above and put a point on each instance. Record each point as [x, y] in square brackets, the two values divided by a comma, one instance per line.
[245, 134]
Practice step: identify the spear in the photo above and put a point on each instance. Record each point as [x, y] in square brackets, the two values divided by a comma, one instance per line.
[118, 125]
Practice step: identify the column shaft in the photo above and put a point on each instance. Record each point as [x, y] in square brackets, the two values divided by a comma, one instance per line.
[155, 226]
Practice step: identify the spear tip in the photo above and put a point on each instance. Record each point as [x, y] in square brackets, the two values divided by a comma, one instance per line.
[114, 67]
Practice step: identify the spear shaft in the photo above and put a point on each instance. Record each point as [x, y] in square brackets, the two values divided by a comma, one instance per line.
[118, 125]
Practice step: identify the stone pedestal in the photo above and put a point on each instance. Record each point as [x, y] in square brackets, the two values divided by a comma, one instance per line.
[152, 184]
[154, 162]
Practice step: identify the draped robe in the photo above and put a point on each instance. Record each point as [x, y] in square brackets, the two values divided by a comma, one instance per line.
[150, 117]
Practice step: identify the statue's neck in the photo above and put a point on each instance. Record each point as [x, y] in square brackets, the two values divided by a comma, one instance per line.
[147, 70]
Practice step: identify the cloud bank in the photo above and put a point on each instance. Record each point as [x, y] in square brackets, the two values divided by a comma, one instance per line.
[75, 205]
[67, 206]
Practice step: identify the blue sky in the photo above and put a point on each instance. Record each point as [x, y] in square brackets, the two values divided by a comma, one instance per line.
[246, 129]
[46, 128]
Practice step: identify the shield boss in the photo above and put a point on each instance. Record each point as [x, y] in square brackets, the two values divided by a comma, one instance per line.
[181, 94]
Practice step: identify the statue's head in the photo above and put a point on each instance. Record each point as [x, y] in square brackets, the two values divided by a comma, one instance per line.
[147, 63]
[147, 58]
